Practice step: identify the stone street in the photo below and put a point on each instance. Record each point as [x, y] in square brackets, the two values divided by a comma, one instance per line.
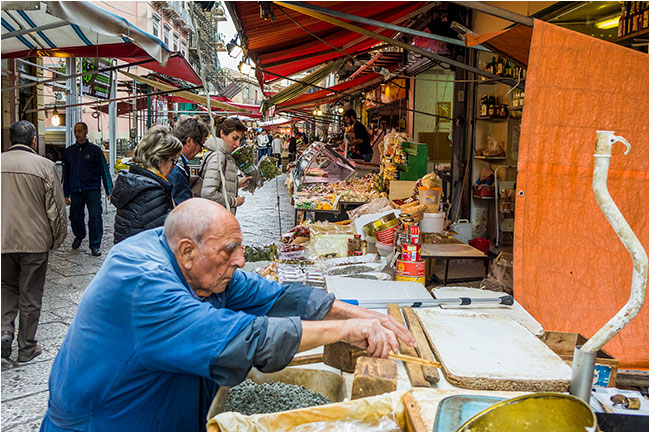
[25, 385]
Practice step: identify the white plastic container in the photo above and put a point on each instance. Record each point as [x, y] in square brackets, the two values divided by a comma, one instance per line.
[385, 250]
[464, 229]
[432, 222]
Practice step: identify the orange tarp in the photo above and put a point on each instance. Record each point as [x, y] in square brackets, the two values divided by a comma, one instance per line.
[571, 272]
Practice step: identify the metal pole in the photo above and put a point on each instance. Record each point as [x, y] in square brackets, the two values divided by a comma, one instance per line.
[70, 99]
[112, 125]
[381, 24]
[497, 12]
[35, 29]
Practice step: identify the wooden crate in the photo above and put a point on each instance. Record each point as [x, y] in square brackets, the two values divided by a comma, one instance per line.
[563, 343]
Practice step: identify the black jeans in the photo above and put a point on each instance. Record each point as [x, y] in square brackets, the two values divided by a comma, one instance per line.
[23, 279]
[78, 202]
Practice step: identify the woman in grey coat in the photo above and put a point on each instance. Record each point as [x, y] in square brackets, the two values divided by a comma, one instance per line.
[219, 171]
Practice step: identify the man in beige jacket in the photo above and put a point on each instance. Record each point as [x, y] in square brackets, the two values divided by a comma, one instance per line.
[33, 223]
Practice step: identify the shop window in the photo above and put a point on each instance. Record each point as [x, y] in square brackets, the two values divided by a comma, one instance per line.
[155, 21]
[166, 29]
[184, 48]
[255, 95]
[175, 46]
[247, 92]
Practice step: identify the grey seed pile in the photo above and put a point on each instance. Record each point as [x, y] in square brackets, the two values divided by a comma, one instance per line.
[352, 269]
[250, 398]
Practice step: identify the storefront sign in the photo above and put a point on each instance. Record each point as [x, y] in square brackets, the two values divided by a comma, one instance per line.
[96, 85]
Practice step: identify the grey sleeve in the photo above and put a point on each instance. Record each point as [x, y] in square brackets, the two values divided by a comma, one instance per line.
[268, 343]
[306, 302]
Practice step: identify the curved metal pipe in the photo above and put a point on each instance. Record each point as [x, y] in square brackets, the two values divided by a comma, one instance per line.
[583, 371]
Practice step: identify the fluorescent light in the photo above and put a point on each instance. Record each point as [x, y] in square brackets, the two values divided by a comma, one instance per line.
[608, 23]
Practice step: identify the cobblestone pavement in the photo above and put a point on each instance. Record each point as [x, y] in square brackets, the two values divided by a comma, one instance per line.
[25, 385]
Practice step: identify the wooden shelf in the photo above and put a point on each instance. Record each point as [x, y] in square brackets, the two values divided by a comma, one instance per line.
[493, 119]
[631, 36]
[488, 158]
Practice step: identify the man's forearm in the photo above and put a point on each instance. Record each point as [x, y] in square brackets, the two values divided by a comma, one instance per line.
[342, 310]
[319, 333]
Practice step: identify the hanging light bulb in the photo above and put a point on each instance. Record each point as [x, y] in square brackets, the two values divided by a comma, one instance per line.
[315, 112]
[340, 110]
[320, 113]
[56, 119]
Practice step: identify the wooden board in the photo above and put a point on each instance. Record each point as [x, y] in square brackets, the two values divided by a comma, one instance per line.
[423, 348]
[373, 376]
[414, 371]
[400, 189]
[483, 351]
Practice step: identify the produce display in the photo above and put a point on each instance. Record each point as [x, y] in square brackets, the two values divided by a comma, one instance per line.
[250, 398]
[392, 156]
[326, 196]
[259, 254]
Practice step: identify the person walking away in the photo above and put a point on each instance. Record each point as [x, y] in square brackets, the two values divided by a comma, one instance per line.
[84, 170]
[218, 169]
[192, 133]
[34, 222]
[143, 194]
[292, 148]
[262, 144]
[276, 145]
[361, 139]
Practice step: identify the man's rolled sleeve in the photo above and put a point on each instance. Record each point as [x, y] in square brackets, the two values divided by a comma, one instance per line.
[268, 343]
[308, 303]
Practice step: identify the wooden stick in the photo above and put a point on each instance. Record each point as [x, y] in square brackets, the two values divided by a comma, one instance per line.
[424, 350]
[414, 360]
[306, 359]
[415, 374]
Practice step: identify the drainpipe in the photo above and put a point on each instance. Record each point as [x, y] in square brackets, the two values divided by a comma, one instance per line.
[584, 357]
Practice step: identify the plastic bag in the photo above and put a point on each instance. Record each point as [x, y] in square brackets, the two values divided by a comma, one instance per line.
[499, 278]
[377, 205]
[385, 423]
[494, 148]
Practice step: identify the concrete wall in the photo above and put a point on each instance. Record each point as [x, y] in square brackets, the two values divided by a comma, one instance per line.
[431, 87]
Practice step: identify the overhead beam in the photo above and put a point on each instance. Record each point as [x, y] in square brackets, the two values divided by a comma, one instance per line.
[382, 24]
[497, 12]
[400, 44]
[44, 27]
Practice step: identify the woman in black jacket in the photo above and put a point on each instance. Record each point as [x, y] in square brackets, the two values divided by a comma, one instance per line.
[142, 195]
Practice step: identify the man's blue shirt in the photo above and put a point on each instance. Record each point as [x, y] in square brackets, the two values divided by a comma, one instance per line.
[142, 340]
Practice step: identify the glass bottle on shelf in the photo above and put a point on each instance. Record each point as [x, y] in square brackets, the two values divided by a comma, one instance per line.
[635, 18]
[646, 8]
[484, 106]
[621, 21]
[491, 105]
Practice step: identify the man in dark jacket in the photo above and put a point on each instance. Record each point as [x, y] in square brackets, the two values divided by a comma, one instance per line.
[361, 138]
[84, 170]
[292, 148]
[192, 133]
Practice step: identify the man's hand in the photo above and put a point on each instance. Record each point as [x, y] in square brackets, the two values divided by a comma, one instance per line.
[371, 335]
[239, 201]
[67, 201]
[343, 310]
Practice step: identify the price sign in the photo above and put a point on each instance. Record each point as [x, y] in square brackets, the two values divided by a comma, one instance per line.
[96, 85]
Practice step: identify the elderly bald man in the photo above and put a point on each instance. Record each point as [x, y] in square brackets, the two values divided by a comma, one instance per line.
[169, 317]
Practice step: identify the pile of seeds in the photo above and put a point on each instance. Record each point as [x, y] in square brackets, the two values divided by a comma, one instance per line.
[249, 398]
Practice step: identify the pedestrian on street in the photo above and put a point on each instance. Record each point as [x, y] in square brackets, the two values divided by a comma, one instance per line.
[277, 147]
[192, 132]
[292, 148]
[262, 144]
[170, 317]
[218, 169]
[84, 170]
[143, 195]
[33, 223]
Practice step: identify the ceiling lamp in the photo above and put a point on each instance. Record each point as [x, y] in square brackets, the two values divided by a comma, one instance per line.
[340, 110]
[608, 23]
[320, 113]
[245, 68]
[56, 118]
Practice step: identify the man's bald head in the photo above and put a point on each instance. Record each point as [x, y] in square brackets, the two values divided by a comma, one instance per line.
[197, 219]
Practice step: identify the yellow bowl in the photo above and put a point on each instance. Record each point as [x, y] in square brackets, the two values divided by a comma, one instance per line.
[546, 411]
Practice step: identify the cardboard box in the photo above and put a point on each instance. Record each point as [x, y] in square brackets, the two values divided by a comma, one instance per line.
[563, 343]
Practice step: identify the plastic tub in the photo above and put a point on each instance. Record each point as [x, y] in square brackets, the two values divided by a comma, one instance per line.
[481, 244]
[432, 222]
[384, 249]
[430, 198]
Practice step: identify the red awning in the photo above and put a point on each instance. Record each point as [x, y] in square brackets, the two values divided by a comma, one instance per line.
[325, 96]
[283, 48]
[177, 65]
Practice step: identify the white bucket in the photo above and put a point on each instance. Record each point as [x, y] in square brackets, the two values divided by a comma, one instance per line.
[432, 222]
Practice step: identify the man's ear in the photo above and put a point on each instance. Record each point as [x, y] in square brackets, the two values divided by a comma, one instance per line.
[187, 252]
[35, 142]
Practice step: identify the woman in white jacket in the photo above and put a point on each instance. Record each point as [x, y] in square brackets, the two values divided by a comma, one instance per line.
[218, 169]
